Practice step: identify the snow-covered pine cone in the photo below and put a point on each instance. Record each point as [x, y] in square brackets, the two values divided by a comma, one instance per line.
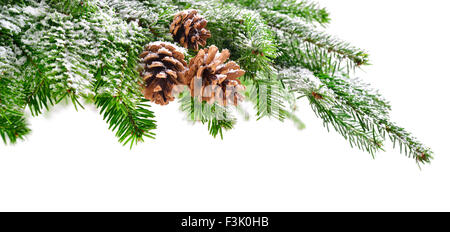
[188, 29]
[163, 68]
[213, 80]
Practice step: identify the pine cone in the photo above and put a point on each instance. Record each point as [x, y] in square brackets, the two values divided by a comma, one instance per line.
[163, 72]
[188, 29]
[213, 80]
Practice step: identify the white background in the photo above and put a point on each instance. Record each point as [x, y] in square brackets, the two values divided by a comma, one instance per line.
[71, 162]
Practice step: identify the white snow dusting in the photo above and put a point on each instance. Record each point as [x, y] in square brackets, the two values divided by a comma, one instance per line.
[34, 11]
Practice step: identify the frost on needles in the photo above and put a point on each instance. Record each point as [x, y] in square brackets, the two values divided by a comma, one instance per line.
[87, 52]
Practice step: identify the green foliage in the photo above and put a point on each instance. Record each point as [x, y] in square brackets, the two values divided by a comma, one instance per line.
[304, 10]
[75, 8]
[131, 122]
[87, 51]
[13, 125]
[79, 50]
[116, 82]
[217, 117]
[266, 94]
[358, 113]
[317, 51]
[153, 16]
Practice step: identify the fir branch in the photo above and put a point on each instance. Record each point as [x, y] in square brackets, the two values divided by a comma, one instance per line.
[13, 125]
[55, 42]
[319, 51]
[332, 110]
[306, 10]
[353, 92]
[266, 94]
[131, 122]
[258, 47]
[373, 112]
[134, 11]
[75, 8]
[65, 51]
[344, 123]
[217, 117]
[407, 143]
[37, 88]
[53, 69]
[358, 113]
[216, 126]
[116, 90]
[153, 16]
